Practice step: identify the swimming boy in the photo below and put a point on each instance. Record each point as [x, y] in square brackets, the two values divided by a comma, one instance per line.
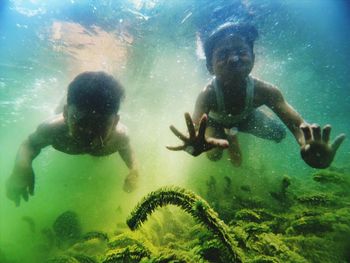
[230, 103]
[89, 124]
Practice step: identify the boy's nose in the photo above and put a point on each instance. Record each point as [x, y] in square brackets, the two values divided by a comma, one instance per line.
[233, 58]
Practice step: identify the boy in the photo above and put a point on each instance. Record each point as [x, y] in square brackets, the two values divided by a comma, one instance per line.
[89, 125]
[230, 103]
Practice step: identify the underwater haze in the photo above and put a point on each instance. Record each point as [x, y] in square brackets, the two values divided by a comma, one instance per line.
[274, 208]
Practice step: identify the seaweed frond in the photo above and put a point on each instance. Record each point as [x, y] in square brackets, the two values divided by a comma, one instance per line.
[197, 207]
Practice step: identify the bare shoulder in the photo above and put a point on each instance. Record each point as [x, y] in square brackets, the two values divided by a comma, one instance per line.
[121, 130]
[121, 136]
[208, 91]
[266, 93]
[206, 97]
[48, 131]
[53, 125]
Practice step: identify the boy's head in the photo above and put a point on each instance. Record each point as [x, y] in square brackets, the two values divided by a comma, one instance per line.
[93, 102]
[237, 40]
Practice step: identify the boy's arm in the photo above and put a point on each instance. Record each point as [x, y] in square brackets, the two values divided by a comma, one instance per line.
[21, 182]
[290, 117]
[128, 156]
[201, 107]
[315, 148]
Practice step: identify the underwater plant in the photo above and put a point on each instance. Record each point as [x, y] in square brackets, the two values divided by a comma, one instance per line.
[62, 259]
[129, 254]
[84, 259]
[282, 195]
[326, 177]
[67, 227]
[95, 234]
[198, 208]
[318, 199]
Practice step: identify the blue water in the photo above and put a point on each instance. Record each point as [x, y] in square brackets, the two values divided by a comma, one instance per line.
[152, 47]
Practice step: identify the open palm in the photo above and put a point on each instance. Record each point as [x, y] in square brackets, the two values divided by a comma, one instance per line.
[317, 151]
[196, 142]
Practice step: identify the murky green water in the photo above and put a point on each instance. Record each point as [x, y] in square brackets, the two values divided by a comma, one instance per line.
[151, 47]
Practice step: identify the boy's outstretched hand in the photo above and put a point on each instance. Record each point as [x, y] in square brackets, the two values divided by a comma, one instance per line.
[317, 151]
[131, 181]
[196, 143]
[20, 184]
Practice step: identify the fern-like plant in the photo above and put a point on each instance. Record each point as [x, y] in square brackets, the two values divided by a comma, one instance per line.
[193, 204]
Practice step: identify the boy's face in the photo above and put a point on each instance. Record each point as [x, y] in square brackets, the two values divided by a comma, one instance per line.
[88, 127]
[232, 58]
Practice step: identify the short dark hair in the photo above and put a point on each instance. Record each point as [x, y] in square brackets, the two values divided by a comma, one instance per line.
[96, 91]
[246, 31]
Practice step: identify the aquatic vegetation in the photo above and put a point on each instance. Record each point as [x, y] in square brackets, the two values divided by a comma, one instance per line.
[326, 177]
[166, 256]
[315, 249]
[192, 204]
[67, 227]
[311, 225]
[246, 188]
[125, 240]
[63, 259]
[248, 215]
[84, 259]
[282, 195]
[264, 259]
[272, 245]
[95, 234]
[128, 254]
[253, 229]
[317, 199]
[227, 185]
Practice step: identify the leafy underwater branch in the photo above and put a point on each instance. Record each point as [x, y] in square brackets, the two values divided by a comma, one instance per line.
[193, 204]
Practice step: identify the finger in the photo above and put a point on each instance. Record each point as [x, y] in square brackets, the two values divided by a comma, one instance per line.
[178, 133]
[176, 148]
[316, 131]
[306, 131]
[326, 131]
[190, 126]
[25, 195]
[338, 141]
[218, 142]
[202, 126]
[31, 184]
